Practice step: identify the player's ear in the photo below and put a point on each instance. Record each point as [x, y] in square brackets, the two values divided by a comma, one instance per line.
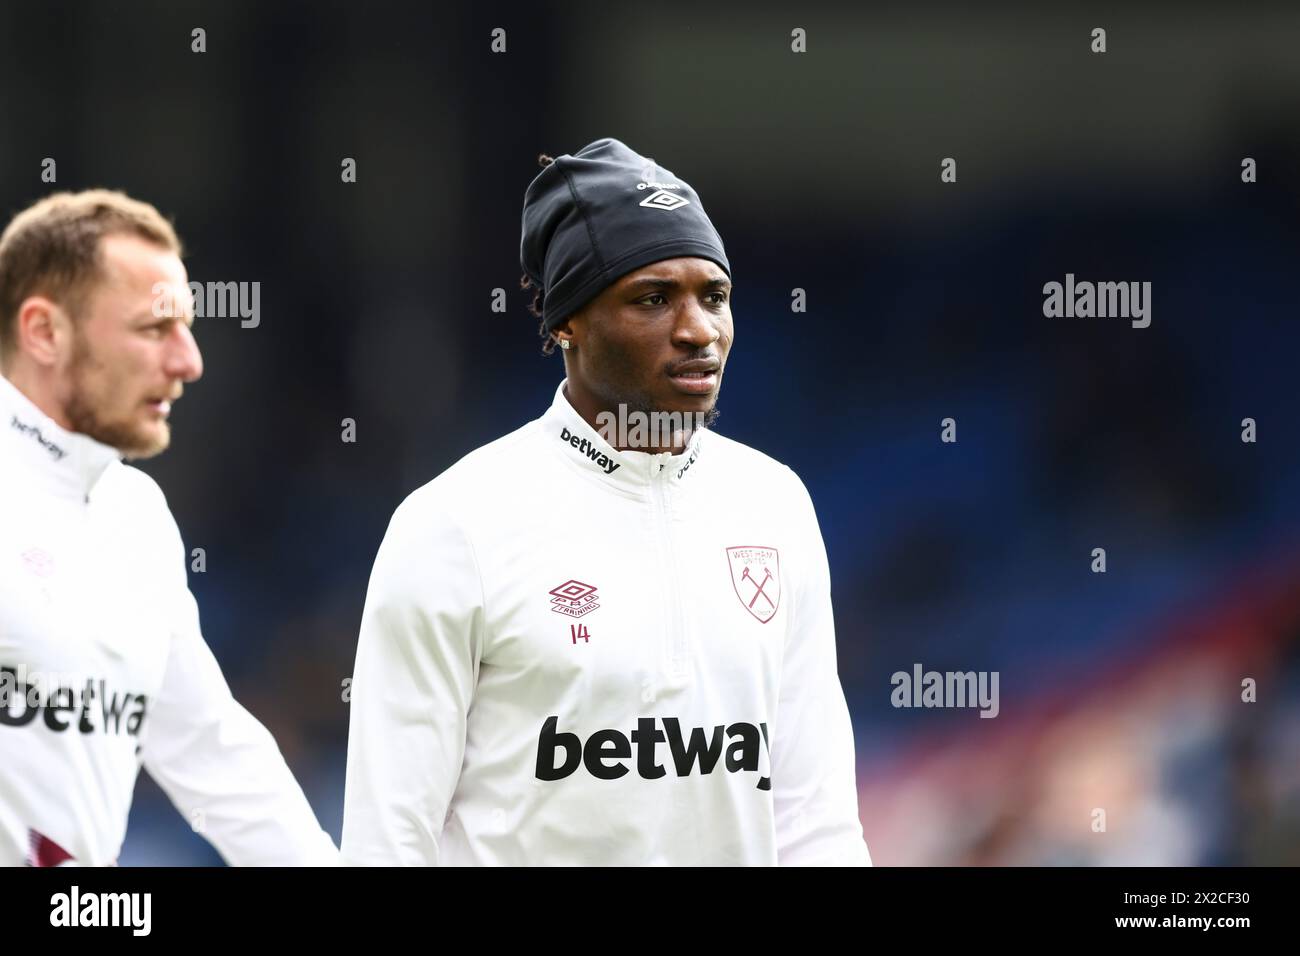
[566, 333]
[41, 328]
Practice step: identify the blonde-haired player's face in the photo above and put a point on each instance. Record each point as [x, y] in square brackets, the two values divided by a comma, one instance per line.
[130, 358]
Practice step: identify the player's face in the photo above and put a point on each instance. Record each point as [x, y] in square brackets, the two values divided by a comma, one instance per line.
[126, 365]
[656, 340]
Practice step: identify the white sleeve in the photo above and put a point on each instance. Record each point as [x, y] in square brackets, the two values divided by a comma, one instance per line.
[221, 767]
[813, 775]
[417, 665]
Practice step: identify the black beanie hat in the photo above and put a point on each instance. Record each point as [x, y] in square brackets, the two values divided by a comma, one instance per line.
[598, 214]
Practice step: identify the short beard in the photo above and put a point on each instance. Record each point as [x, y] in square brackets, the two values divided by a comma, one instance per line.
[640, 402]
[634, 402]
[84, 417]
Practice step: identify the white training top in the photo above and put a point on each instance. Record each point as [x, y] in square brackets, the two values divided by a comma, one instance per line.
[576, 655]
[103, 668]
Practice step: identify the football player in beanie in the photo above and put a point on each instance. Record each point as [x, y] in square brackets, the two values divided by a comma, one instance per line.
[606, 638]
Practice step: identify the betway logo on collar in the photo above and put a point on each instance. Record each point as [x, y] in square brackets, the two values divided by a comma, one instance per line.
[690, 461]
[591, 451]
[41, 440]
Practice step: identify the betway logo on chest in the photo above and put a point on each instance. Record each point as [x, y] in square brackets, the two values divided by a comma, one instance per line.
[591, 451]
[94, 707]
[606, 751]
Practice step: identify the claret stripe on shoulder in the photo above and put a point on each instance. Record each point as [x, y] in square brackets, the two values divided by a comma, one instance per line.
[585, 447]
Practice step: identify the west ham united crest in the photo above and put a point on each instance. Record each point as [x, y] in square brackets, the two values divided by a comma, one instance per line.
[756, 576]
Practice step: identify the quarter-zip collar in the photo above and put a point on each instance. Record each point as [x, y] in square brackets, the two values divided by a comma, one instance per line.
[67, 463]
[631, 472]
